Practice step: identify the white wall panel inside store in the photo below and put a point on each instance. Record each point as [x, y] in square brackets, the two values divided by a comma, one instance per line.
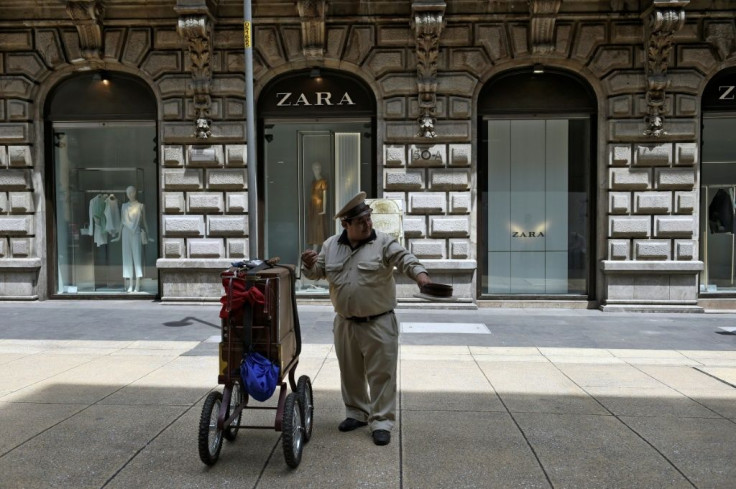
[528, 206]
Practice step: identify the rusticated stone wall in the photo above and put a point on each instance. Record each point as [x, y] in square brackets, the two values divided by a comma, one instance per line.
[650, 184]
[647, 220]
[203, 200]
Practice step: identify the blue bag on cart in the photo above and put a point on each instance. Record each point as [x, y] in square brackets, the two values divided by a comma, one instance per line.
[259, 375]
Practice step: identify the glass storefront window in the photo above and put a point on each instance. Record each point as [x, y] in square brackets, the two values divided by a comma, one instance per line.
[537, 206]
[106, 208]
[717, 196]
[311, 171]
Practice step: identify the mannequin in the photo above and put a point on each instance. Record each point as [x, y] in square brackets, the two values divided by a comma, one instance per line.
[132, 222]
[317, 217]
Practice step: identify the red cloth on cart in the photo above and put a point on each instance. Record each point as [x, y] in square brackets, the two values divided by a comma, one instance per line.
[238, 295]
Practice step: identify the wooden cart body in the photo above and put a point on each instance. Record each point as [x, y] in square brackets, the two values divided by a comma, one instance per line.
[274, 324]
[265, 322]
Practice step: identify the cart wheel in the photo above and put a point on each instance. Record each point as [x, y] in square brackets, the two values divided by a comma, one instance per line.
[304, 391]
[293, 437]
[210, 438]
[236, 399]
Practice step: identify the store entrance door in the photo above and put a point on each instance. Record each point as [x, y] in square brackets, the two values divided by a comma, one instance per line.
[317, 151]
[311, 171]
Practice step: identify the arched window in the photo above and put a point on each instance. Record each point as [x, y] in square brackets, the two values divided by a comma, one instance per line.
[535, 180]
[104, 172]
[718, 185]
[318, 151]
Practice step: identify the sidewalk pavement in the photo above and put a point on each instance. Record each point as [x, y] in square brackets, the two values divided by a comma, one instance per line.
[109, 394]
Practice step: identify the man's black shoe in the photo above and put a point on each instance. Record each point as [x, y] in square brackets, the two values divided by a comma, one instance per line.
[351, 424]
[381, 437]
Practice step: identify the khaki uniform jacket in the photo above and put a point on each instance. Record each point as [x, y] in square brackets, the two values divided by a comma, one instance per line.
[362, 280]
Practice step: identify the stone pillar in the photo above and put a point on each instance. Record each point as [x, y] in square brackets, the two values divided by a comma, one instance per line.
[651, 226]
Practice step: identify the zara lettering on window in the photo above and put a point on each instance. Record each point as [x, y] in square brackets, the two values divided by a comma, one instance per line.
[288, 99]
[527, 234]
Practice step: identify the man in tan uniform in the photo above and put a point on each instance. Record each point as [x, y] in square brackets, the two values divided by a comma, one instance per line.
[359, 265]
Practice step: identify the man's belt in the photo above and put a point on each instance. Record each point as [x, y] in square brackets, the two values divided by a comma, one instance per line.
[369, 318]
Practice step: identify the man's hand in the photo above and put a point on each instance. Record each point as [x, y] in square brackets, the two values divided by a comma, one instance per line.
[423, 279]
[309, 258]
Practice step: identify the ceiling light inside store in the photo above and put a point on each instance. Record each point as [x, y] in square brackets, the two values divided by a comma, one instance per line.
[101, 77]
[538, 69]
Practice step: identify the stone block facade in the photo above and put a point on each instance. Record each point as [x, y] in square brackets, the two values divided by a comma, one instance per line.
[18, 223]
[646, 224]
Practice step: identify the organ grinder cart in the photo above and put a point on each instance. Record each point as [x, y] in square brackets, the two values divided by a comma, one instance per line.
[259, 315]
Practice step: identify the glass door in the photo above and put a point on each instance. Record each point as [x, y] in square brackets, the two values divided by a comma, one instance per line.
[311, 171]
[105, 192]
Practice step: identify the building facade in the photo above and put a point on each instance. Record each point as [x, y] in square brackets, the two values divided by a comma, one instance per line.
[541, 152]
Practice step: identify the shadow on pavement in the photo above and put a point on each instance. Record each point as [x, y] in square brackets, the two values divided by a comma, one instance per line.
[117, 436]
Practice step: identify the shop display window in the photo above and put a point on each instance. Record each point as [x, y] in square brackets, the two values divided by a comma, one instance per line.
[717, 199]
[537, 206]
[106, 223]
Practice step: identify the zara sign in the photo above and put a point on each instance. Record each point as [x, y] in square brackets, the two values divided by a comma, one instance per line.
[332, 94]
[726, 92]
[720, 93]
[289, 99]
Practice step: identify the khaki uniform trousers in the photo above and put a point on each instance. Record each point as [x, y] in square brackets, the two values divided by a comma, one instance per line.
[367, 354]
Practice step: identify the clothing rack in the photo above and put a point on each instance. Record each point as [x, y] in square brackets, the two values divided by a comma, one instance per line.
[108, 191]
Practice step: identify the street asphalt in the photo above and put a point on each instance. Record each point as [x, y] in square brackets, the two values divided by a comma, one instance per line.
[108, 394]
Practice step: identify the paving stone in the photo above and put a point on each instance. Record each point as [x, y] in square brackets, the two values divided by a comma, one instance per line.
[465, 388]
[596, 452]
[88, 448]
[440, 450]
[701, 448]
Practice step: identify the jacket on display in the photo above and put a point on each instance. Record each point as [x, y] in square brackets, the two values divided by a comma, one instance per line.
[104, 218]
[97, 221]
[720, 213]
[112, 214]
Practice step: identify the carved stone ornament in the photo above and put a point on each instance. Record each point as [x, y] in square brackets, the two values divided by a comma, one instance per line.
[197, 31]
[87, 18]
[723, 38]
[665, 19]
[427, 22]
[542, 29]
[312, 15]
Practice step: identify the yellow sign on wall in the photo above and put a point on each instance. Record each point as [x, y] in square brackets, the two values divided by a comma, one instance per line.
[246, 34]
